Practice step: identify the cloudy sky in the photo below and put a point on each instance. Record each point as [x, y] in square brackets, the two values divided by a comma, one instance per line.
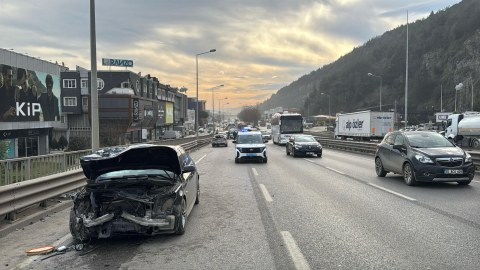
[262, 45]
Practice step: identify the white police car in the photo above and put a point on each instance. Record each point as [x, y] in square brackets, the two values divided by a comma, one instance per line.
[250, 146]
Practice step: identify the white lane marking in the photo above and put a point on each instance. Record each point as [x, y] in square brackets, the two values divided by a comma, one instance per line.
[393, 192]
[309, 160]
[331, 169]
[31, 259]
[268, 198]
[355, 156]
[254, 171]
[201, 158]
[295, 252]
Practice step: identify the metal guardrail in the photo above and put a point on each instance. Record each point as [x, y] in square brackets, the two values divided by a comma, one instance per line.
[19, 195]
[370, 148]
[21, 169]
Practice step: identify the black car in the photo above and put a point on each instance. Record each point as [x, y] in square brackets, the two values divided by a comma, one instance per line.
[303, 145]
[138, 190]
[423, 156]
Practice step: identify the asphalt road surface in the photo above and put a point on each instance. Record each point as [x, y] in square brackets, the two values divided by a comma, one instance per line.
[290, 213]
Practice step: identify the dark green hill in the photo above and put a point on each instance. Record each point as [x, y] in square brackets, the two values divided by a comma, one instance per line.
[444, 50]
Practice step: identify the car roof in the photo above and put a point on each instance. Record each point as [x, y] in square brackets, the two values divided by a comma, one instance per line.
[249, 133]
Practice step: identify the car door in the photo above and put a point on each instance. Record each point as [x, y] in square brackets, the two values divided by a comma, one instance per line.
[396, 156]
[190, 181]
[384, 151]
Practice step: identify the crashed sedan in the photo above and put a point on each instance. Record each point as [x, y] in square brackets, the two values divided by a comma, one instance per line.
[140, 190]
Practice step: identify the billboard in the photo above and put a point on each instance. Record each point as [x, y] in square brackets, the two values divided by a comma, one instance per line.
[169, 112]
[27, 95]
[161, 113]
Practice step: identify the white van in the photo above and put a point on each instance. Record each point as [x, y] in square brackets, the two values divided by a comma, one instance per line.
[170, 134]
[250, 146]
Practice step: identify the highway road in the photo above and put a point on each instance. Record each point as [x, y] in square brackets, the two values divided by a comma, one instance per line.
[290, 213]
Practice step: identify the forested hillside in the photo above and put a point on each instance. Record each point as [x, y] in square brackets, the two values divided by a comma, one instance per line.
[444, 50]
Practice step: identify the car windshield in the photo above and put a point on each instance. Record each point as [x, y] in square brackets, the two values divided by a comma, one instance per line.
[250, 139]
[427, 140]
[305, 139]
[137, 173]
[218, 136]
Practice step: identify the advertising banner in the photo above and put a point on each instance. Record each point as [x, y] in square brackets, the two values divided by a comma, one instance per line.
[169, 112]
[136, 109]
[161, 113]
[27, 95]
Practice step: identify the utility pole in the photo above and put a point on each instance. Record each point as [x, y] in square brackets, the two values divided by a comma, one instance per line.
[406, 82]
[93, 83]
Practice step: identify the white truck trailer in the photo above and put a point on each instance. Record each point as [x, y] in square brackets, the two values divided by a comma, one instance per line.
[364, 125]
[464, 129]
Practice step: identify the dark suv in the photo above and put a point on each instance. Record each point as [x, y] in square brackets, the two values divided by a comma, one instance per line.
[423, 156]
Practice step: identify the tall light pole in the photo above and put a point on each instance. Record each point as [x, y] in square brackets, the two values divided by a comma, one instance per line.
[223, 109]
[370, 74]
[196, 113]
[213, 102]
[93, 82]
[323, 94]
[458, 87]
[219, 109]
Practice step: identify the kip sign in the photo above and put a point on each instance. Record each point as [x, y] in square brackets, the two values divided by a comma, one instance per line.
[117, 62]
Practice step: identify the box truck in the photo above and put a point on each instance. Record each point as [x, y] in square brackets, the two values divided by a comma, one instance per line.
[363, 126]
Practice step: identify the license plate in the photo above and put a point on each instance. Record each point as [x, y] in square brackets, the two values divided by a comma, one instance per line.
[453, 171]
[310, 153]
[251, 155]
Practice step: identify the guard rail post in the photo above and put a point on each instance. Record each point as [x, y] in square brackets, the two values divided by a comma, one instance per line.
[27, 170]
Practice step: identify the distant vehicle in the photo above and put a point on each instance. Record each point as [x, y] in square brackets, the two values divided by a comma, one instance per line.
[219, 139]
[200, 130]
[250, 146]
[170, 134]
[241, 125]
[269, 126]
[181, 129]
[464, 129]
[284, 126]
[423, 156]
[303, 145]
[140, 190]
[265, 135]
[364, 125]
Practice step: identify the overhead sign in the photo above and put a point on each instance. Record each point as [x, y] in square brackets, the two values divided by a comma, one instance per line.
[117, 62]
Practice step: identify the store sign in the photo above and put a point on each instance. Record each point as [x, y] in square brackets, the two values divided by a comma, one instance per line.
[117, 62]
[136, 109]
[11, 134]
[169, 111]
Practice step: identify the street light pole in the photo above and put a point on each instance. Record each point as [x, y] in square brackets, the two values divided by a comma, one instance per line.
[323, 94]
[213, 103]
[219, 108]
[196, 113]
[370, 74]
[93, 83]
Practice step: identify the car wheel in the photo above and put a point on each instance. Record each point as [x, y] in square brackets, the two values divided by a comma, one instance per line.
[181, 217]
[319, 155]
[286, 149]
[409, 175]
[464, 183]
[265, 160]
[379, 168]
[236, 160]
[197, 200]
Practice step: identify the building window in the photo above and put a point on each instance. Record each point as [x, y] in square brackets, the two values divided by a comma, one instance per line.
[84, 83]
[125, 84]
[163, 94]
[62, 119]
[84, 101]
[155, 89]
[69, 101]
[145, 89]
[150, 90]
[69, 83]
[138, 87]
[100, 84]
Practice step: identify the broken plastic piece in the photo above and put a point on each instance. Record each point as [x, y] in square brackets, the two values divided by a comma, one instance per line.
[62, 248]
[40, 250]
[78, 247]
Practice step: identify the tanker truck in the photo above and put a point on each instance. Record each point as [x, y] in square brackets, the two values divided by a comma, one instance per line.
[464, 129]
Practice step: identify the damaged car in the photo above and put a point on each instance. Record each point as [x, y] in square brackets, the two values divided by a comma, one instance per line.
[137, 190]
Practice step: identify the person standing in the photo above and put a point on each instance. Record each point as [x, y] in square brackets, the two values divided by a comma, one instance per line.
[26, 94]
[49, 102]
[7, 96]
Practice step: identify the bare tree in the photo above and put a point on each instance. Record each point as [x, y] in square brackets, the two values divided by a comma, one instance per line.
[249, 114]
[111, 130]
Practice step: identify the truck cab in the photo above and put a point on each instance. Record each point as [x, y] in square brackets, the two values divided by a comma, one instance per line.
[464, 129]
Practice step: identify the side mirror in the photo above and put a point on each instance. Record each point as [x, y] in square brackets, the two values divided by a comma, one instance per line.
[188, 168]
[398, 147]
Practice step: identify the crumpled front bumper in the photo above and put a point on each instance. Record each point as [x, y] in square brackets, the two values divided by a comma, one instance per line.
[163, 224]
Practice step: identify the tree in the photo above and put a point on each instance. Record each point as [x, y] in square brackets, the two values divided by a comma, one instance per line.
[111, 131]
[4, 148]
[54, 144]
[79, 143]
[203, 114]
[249, 114]
[62, 143]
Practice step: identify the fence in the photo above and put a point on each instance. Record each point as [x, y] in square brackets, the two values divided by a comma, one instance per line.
[22, 169]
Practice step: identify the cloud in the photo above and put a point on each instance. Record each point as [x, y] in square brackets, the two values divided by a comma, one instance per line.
[275, 41]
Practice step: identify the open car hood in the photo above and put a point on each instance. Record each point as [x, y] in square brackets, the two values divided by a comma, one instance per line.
[136, 157]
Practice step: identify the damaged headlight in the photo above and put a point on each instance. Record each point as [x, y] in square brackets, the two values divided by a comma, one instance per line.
[468, 158]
